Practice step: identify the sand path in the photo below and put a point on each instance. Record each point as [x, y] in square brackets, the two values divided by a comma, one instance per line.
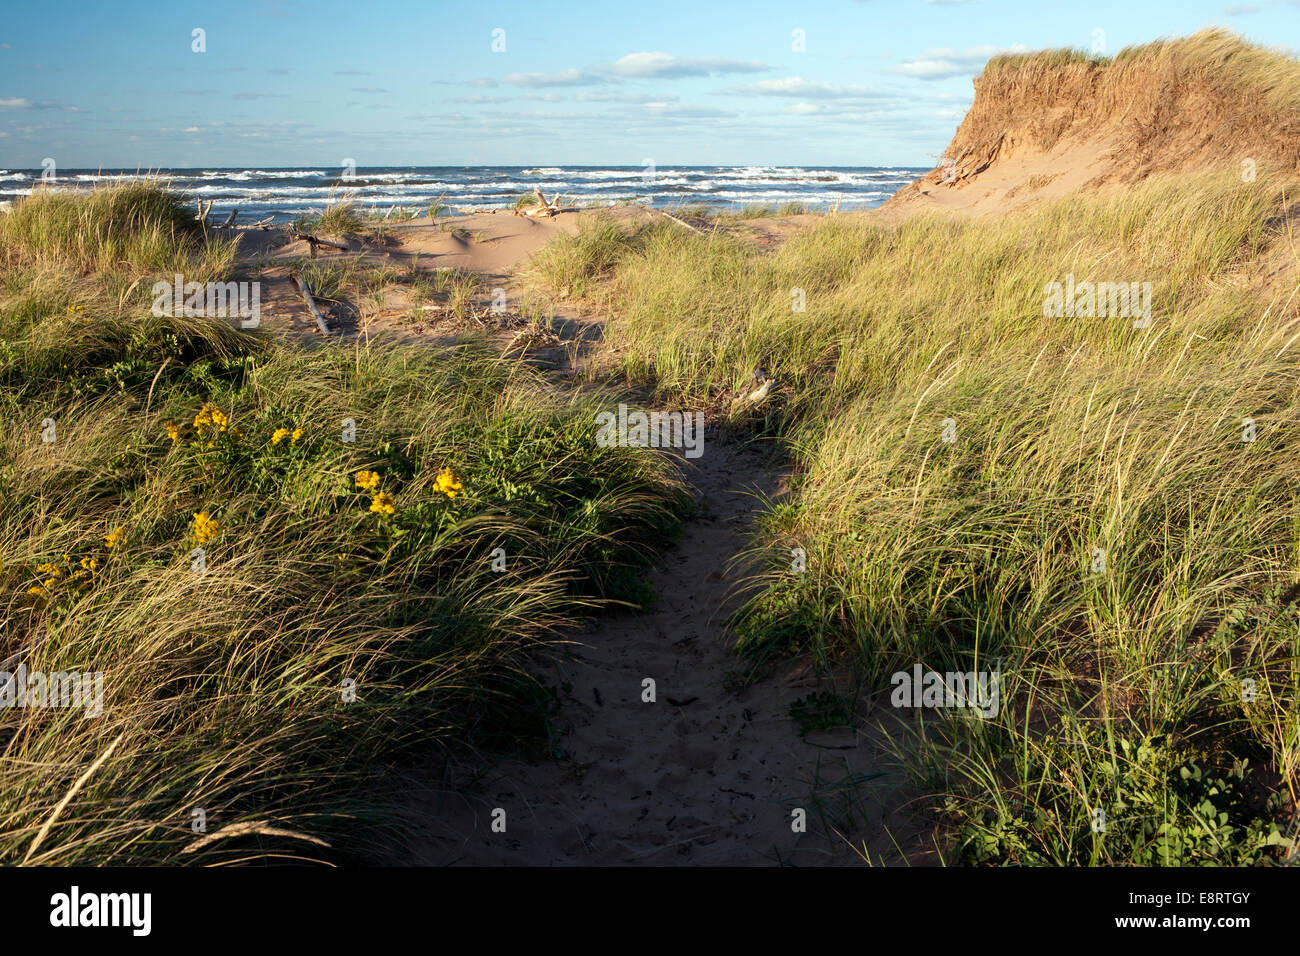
[711, 772]
[707, 774]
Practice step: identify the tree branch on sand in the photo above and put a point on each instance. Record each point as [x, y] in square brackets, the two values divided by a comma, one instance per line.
[311, 303]
[543, 208]
[315, 241]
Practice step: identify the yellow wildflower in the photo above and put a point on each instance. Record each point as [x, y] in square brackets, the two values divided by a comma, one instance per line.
[297, 433]
[448, 483]
[367, 480]
[53, 570]
[41, 598]
[205, 527]
[91, 565]
[382, 504]
[204, 417]
[114, 538]
[279, 435]
[173, 430]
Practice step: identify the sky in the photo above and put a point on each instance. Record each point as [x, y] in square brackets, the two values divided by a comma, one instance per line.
[674, 82]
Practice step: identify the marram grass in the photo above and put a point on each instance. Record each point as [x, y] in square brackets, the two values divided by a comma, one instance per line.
[277, 612]
[1112, 526]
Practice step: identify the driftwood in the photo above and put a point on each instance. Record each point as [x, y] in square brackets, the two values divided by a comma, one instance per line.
[317, 241]
[263, 224]
[204, 209]
[684, 225]
[543, 208]
[311, 303]
[230, 220]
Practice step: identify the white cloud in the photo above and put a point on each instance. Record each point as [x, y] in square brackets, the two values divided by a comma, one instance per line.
[675, 110]
[623, 98]
[562, 78]
[945, 63]
[797, 86]
[15, 103]
[667, 65]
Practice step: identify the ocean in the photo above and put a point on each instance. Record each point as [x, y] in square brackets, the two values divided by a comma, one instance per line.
[286, 193]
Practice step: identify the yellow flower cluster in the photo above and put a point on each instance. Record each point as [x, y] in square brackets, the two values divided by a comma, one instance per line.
[382, 504]
[448, 483]
[79, 575]
[87, 570]
[279, 435]
[209, 422]
[210, 415]
[205, 527]
[53, 570]
[114, 538]
[367, 480]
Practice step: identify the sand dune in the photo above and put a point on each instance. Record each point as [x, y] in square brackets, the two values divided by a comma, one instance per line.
[1041, 128]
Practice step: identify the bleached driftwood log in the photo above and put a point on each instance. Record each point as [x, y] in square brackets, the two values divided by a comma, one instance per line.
[204, 209]
[684, 225]
[311, 303]
[230, 220]
[543, 208]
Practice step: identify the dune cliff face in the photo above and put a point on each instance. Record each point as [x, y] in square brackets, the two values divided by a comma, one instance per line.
[1045, 125]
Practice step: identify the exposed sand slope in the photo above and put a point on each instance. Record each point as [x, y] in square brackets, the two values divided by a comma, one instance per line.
[1046, 125]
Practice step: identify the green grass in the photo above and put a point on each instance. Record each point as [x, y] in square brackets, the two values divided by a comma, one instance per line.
[327, 639]
[343, 218]
[695, 211]
[138, 226]
[1071, 435]
[573, 265]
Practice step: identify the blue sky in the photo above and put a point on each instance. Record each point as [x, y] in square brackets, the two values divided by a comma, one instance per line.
[384, 82]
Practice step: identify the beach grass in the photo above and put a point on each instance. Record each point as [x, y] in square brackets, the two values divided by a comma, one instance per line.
[341, 218]
[1102, 514]
[282, 561]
